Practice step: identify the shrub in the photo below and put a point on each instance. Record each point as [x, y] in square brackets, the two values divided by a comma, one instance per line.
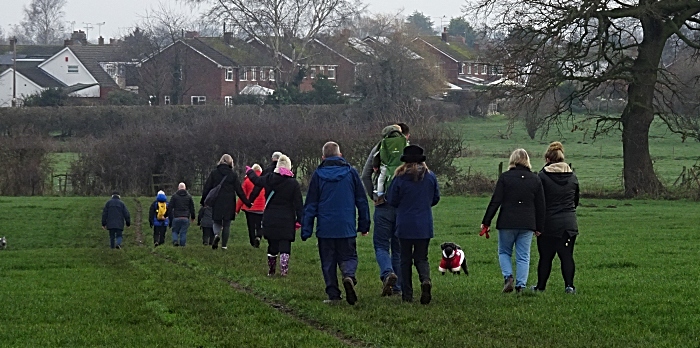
[26, 168]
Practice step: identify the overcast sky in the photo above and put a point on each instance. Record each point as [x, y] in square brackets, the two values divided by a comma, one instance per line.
[118, 15]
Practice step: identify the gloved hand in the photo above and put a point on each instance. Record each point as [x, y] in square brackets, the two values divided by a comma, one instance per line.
[297, 226]
[485, 231]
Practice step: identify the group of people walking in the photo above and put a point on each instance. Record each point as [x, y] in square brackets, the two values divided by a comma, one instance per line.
[543, 205]
[337, 209]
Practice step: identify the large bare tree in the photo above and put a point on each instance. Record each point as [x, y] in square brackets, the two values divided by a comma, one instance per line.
[285, 26]
[44, 22]
[597, 45]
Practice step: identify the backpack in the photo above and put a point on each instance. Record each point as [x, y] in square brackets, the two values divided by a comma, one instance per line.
[389, 154]
[161, 208]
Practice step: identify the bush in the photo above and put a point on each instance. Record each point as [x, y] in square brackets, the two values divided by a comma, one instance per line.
[26, 169]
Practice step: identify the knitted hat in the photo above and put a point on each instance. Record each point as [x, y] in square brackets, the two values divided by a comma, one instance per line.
[413, 154]
[160, 197]
[283, 162]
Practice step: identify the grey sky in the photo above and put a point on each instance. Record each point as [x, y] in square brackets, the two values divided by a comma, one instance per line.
[121, 14]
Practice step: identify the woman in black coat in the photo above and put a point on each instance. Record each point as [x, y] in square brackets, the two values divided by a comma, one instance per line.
[561, 194]
[282, 214]
[223, 209]
[520, 197]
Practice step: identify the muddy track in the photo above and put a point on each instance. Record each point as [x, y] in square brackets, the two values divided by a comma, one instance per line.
[138, 222]
[280, 307]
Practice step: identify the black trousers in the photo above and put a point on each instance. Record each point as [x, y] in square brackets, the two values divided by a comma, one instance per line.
[159, 234]
[337, 253]
[207, 235]
[413, 251]
[548, 247]
[277, 246]
[254, 222]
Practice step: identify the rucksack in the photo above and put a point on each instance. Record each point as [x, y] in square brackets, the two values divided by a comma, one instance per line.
[213, 194]
[161, 209]
[390, 151]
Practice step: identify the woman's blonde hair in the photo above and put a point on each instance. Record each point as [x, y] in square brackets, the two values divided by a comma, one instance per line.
[414, 169]
[256, 167]
[555, 152]
[227, 160]
[519, 157]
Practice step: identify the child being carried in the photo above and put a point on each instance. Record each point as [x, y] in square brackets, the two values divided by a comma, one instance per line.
[387, 159]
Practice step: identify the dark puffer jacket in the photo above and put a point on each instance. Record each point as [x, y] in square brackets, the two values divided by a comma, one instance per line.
[225, 204]
[520, 196]
[561, 194]
[115, 214]
[181, 205]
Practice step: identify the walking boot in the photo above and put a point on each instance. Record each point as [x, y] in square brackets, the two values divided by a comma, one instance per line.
[271, 264]
[284, 264]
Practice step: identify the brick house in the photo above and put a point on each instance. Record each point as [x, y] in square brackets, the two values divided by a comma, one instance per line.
[205, 70]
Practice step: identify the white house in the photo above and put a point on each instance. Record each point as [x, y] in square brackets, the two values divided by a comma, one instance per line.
[65, 67]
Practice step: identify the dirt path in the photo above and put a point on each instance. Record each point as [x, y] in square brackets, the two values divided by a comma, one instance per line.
[280, 307]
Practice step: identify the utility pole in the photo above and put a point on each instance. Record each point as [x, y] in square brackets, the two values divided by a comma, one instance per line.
[99, 28]
[13, 42]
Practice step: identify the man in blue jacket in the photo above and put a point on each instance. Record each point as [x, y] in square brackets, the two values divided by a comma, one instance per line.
[335, 192]
[114, 215]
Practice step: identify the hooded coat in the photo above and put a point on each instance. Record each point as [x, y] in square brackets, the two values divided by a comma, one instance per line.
[223, 208]
[413, 201]
[284, 208]
[336, 197]
[254, 193]
[561, 193]
[153, 212]
[181, 205]
[115, 214]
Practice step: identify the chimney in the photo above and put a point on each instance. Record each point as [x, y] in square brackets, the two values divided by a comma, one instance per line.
[111, 41]
[79, 36]
[101, 41]
[191, 34]
[444, 34]
[67, 42]
[228, 36]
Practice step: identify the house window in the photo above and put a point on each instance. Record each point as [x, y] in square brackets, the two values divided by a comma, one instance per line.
[272, 74]
[484, 69]
[72, 69]
[166, 100]
[152, 100]
[262, 74]
[199, 100]
[461, 68]
[312, 73]
[110, 69]
[228, 100]
[244, 74]
[320, 70]
[252, 74]
[469, 69]
[331, 73]
[229, 74]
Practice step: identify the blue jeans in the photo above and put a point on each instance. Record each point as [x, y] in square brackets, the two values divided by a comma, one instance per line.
[180, 226]
[521, 239]
[115, 237]
[337, 253]
[387, 249]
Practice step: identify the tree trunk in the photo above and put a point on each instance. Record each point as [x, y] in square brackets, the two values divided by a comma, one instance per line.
[638, 172]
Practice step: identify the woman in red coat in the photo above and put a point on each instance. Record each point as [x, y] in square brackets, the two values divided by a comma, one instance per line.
[253, 215]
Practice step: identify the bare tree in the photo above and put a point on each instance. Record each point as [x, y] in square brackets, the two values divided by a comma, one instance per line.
[393, 78]
[594, 44]
[43, 22]
[375, 24]
[285, 26]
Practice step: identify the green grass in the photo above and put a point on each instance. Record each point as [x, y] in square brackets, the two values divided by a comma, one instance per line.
[636, 279]
[598, 163]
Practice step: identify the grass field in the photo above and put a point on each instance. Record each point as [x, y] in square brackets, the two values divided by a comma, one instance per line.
[60, 285]
[598, 162]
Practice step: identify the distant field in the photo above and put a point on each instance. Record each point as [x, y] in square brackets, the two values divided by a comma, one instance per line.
[598, 163]
[637, 278]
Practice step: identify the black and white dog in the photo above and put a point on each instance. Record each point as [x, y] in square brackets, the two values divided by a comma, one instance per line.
[453, 259]
[3, 242]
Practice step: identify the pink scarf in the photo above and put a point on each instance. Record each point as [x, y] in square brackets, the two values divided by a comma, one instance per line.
[285, 172]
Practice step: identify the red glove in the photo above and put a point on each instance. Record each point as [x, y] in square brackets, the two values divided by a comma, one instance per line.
[297, 226]
[485, 232]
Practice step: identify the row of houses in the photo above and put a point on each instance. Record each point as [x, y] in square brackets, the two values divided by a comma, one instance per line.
[213, 70]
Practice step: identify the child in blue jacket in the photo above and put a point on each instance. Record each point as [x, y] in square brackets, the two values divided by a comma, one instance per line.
[158, 218]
